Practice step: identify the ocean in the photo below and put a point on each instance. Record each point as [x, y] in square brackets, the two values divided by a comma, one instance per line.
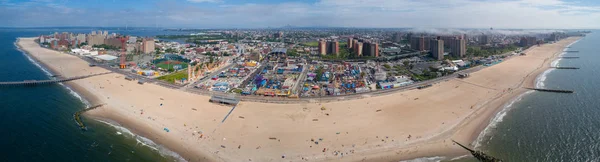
[37, 122]
[542, 126]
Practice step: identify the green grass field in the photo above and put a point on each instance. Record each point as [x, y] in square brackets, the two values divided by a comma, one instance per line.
[174, 76]
[311, 44]
[169, 66]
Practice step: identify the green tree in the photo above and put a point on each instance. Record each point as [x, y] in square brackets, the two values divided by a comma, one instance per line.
[406, 63]
[320, 72]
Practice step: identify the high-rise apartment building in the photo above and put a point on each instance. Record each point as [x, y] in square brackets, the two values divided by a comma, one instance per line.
[95, 39]
[80, 37]
[350, 43]
[322, 50]
[116, 42]
[397, 37]
[528, 41]
[333, 47]
[485, 39]
[370, 49]
[458, 46]
[358, 48]
[147, 45]
[418, 43]
[437, 48]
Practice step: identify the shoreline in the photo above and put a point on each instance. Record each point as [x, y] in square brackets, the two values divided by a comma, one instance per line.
[467, 125]
[537, 81]
[89, 99]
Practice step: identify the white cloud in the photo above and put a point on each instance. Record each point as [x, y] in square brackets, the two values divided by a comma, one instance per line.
[208, 1]
[545, 14]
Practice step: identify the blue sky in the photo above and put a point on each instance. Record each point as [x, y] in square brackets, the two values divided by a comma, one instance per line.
[547, 14]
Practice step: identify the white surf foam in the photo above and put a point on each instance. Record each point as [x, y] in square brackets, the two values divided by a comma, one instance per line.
[460, 157]
[46, 71]
[49, 74]
[73, 93]
[539, 81]
[145, 142]
[498, 118]
[508, 106]
[426, 159]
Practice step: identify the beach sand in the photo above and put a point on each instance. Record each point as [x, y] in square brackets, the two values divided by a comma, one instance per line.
[373, 128]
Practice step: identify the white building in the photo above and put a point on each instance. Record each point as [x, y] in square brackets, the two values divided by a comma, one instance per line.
[83, 52]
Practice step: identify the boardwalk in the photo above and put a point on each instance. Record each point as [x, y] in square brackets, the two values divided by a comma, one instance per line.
[42, 82]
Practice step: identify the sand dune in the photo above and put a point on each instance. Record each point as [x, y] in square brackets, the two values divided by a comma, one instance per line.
[374, 128]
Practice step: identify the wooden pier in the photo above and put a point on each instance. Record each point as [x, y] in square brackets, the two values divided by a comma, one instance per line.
[551, 90]
[77, 115]
[44, 82]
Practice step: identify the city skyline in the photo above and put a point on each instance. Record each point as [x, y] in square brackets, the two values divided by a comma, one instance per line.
[518, 14]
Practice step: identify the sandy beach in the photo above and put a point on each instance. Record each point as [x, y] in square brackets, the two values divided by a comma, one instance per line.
[398, 126]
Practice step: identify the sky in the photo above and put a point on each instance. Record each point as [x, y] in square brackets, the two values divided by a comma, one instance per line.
[500, 14]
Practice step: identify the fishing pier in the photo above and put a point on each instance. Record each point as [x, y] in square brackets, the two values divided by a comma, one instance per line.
[45, 82]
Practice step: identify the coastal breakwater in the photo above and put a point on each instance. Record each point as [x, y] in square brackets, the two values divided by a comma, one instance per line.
[550, 90]
[569, 57]
[77, 115]
[562, 67]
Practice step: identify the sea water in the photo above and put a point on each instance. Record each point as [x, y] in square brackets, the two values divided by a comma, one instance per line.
[37, 122]
[542, 126]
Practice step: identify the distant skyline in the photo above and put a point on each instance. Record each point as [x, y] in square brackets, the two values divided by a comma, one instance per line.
[515, 14]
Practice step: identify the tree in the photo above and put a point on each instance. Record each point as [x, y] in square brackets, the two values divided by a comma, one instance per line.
[406, 63]
[386, 66]
[319, 74]
[182, 52]
[170, 50]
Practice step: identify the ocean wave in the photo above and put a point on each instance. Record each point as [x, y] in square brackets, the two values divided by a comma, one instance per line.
[498, 119]
[541, 79]
[76, 95]
[566, 48]
[539, 83]
[145, 141]
[46, 71]
[426, 159]
[460, 157]
[49, 74]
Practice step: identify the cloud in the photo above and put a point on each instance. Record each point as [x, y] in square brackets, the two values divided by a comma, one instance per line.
[446, 31]
[536, 14]
[207, 1]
